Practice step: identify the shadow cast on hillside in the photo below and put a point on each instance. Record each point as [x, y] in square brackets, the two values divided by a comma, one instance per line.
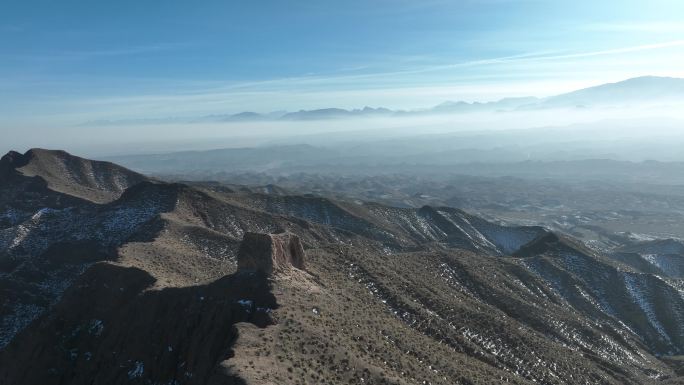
[110, 327]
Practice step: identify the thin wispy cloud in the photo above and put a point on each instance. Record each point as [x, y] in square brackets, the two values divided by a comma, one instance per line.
[646, 27]
[615, 51]
[344, 88]
[538, 56]
[89, 54]
[529, 57]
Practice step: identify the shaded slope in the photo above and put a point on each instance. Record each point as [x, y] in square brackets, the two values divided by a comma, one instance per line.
[41, 256]
[648, 306]
[109, 329]
[86, 179]
[664, 257]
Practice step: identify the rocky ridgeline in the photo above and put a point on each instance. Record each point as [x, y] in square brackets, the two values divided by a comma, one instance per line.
[10, 161]
[61, 172]
[269, 253]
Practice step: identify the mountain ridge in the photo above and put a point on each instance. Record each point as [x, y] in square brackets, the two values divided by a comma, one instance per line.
[391, 295]
[99, 181]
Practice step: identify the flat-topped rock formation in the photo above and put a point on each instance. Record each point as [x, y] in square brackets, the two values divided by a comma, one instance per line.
[270, 252]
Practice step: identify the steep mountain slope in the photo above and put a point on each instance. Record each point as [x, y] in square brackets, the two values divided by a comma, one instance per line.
[87, 179]
[663, 257]
[171, 284]
[643, 303]
[402, 229]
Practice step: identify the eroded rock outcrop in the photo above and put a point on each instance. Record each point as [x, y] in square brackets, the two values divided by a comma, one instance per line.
[270, 252]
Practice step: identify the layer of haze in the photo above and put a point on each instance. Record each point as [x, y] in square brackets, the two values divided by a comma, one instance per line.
[655, 124]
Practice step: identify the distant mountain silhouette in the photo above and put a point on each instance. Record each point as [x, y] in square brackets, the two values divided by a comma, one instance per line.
[647, 89]
[328, 113]
[641, 90]
[503, 104]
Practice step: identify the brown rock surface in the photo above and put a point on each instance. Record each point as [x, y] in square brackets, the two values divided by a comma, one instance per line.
[270, 252]
[92, 180]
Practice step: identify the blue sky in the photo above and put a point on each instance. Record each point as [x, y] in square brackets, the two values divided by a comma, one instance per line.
[67, 61]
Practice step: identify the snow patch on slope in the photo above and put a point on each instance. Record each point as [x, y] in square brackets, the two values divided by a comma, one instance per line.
[639, 294]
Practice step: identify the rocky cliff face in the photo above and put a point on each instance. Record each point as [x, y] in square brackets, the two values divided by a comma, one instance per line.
[269, 253]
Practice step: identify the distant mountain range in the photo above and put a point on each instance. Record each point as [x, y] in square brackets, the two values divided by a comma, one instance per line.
[641, 90]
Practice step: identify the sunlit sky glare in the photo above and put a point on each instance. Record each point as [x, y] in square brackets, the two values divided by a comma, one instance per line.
[69, 61]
